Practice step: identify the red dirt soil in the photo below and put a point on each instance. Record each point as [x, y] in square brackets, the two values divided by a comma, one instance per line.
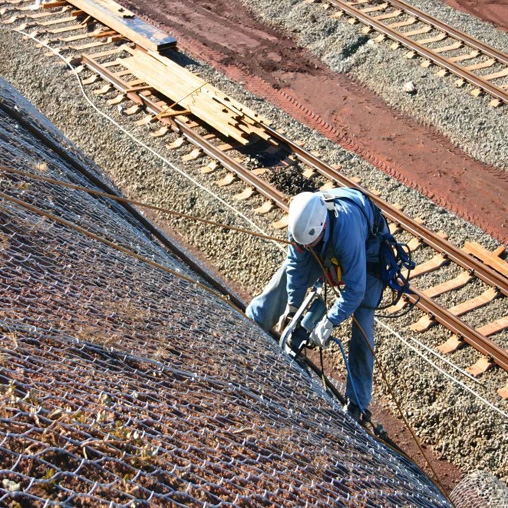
[269, 64]
[493, 11]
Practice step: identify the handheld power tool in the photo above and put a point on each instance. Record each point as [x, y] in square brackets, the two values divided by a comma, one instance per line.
[296, 334]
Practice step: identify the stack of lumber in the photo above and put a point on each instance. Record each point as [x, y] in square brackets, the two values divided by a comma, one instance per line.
[182, 87]
[126, 23]
[189, 91]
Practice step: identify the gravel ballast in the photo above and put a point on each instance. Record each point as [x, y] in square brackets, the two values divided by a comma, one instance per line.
[463, 428]
[468, 121]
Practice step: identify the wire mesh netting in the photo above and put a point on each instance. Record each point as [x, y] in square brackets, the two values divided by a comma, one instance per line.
[126, 384]
[480, 490]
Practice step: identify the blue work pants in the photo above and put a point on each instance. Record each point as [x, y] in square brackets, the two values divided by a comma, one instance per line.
[267, 308]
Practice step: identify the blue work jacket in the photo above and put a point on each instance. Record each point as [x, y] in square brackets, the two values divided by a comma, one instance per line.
[347, 239]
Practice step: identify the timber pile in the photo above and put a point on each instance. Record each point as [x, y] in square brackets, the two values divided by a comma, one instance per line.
[160, 73]
[204, 101]
[125, 23]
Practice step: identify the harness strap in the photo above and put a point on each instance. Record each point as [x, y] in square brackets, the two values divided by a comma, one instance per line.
[377, 223]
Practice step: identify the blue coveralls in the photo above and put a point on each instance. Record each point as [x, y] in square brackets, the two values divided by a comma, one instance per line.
[346, 238]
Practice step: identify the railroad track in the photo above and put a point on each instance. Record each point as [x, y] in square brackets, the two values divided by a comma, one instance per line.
[135, 71]
[454, 52]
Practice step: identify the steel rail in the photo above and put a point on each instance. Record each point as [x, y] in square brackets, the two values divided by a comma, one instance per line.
[453, 253]
[492, 89]
[481, 343]
[452, 32]
[261, 186]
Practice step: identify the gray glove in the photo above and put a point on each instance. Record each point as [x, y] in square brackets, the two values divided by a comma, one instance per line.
[321, 333]
[289, 313]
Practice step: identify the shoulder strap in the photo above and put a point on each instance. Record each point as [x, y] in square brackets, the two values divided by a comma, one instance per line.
[374, 226]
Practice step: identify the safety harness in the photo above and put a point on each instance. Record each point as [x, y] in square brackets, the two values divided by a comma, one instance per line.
[394, 256]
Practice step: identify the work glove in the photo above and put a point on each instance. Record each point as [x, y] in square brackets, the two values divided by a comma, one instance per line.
[321, 333]
[289, 314]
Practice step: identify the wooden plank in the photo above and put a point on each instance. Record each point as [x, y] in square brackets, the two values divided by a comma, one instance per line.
[451, 47]
[246, 113]
[491, 259]
[68, 19]
[495, 327]
[281, 223]
[423, 324]
[468, 56]
[452, 344]
[197, 153]
[414, 244]
[496, 75]
[473, 304]
[450, 285]
[430, 266]
[245, 194]
[188, 91]
[227, 180]
[41, 15]
[73, 38]
[179, 142]
[390, 15]
[375, 8]
[483, 65]
[90, 45]
[66, 29]
[418, 31]
[126, 23]
[210, 168]
[503, 392]
[480, 367]
[260, 171]
[430, 40]
[427, 322]
[266, 207]
[400, 24]
[51, 5]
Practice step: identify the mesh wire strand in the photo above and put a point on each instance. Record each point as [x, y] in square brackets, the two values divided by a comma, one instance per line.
[480, 490]
[124, 385]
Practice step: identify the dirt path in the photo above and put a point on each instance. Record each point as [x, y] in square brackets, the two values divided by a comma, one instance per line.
[224, 34]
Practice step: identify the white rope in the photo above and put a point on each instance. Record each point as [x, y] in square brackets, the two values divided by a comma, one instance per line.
[455, 380]
[142, 144]
[431, 351]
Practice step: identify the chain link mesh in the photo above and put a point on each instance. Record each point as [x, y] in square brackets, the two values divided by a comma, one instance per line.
[122, 384]
[480, 490]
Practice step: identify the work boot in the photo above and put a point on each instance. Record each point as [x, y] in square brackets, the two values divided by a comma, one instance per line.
[354, 412]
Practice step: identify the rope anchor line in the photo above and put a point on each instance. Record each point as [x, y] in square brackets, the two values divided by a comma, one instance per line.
[143, 205]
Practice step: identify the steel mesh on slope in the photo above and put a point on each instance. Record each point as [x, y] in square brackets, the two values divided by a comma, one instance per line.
[480, 490]
[123, 384]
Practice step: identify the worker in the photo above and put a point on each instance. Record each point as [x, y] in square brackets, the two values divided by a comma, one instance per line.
[337, 228]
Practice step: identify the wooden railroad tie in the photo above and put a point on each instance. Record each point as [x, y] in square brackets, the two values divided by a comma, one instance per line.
[454, 342]
[503, 392]
[195, 95]
[486, 297]
[126, 23]
[491, 259]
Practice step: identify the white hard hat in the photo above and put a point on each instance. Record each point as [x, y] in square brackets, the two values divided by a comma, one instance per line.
[307, 217]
